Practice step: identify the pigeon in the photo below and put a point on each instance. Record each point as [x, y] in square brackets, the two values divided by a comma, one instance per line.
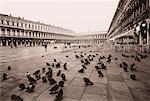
[16, 98]
[9, 67]
[82, 61]
[5, 76]
[100, 73]
[133, 67]
[77, 56]
[124, 63]
[108, 61]
[38, 76]
[97, 67]
[49, 75]
[58, 73]
[58, 65]
[48, 64]
[31, 80]
[65, 66]
[81, 70]
[52, 81]
[63, 77]
[22, 86]
[59, 95]
[30, 88]
[137, 59]
[55, 47]
[133, 77]
[53, 64]
[120, 65]
[43, 70]
[125, 69]
[55, 60]
[44, 79]
[54, 89]
[116, 58]
[81, 55]
[50, 70]
[61, 83]
[83, 66]
[103, 66]
[36, 72]
[87, 81]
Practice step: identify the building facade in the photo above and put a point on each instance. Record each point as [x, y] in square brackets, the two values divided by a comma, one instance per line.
[16, 31]
[131, 24]
[90, 37]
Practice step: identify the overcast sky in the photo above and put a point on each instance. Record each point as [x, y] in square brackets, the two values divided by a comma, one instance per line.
[79, 16]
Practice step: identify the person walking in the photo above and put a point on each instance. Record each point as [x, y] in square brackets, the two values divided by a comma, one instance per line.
[46, 47]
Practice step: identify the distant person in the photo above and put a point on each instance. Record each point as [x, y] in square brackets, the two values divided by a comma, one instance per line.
[45, 47]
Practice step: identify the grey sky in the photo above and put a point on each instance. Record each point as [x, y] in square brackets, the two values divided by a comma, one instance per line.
[79, 16]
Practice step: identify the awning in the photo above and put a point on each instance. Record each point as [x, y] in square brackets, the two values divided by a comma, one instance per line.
[128, 33]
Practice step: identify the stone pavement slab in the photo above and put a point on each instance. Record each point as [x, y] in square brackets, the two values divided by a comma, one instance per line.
[94, 97]
[118, 86]
[115, 78]
[101, 89]
[74, 92]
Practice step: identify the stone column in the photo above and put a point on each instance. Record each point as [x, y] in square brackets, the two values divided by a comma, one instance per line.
[11, 34]
[140, 41]
[0, 38]
[148, 35]
[0, 31]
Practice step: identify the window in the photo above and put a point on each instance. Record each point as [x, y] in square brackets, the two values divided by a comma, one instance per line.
[13, 23]
[7, 22]
[29, 26]
[17, 24]
[2, 21]
[21, 24]
[29, 33]
[25, 25]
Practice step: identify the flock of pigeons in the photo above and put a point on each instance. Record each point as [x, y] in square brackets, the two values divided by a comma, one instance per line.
[47, 74]
[132, 67]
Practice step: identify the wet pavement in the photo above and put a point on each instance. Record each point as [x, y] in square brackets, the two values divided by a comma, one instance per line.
[116, 85]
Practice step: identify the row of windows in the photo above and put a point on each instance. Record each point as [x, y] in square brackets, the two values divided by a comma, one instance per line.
[25, 33]
[32, 26]
[88, 37]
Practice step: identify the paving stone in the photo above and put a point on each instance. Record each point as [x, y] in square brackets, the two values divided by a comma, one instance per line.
[118, 86]
[140, 94]
[94, 97]
[101, 89]
[69, 99]
[45, 96]
[98, 80]
[74, 92]
[82, 75]
[113, 70]
[78, 82]
[120, 96]
[115, 78]
[134, 84]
